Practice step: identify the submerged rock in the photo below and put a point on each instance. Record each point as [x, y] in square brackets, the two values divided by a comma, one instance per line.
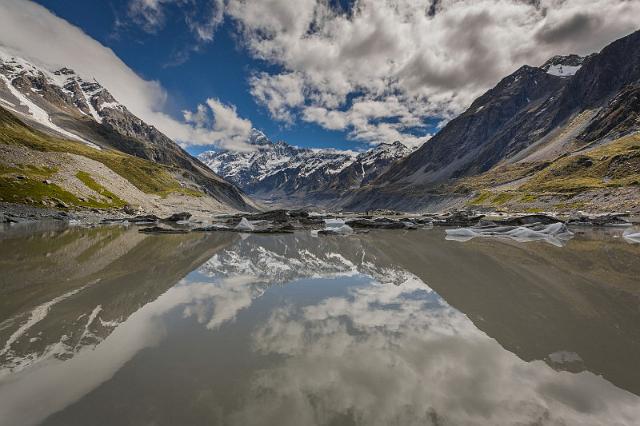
[160, 230]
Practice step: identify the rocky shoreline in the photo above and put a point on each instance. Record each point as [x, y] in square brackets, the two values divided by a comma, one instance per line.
[288, 221]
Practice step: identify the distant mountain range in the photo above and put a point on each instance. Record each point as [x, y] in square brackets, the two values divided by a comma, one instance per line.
[282, 173]
[61, 104]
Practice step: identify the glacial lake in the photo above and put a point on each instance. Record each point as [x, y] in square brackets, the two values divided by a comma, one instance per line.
[108, 326]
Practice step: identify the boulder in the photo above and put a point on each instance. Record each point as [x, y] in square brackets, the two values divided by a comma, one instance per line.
[528, 220]
[159, 230]
[600, 221]
[459, 218]
[178, 217]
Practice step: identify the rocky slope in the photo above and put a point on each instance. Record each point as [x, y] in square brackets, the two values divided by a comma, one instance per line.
[288, 175]
[528, 122]
[62, 104]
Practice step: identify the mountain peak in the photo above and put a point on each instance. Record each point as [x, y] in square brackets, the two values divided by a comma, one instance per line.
[563, 66]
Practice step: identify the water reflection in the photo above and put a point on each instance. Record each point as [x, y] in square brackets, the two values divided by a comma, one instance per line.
[384, 328]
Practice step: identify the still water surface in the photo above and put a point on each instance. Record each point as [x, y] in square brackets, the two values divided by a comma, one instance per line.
[109, 326]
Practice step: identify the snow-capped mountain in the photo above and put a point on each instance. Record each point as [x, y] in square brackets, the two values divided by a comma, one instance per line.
[61, 103]
[31, 91]
[282, 172]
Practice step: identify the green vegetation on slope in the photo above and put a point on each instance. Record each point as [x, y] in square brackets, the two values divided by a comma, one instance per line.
[29, 184]
[95, 186]
[147, 176]
[612, 165]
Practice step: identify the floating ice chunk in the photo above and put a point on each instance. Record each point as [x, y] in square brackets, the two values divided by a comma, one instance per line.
[343, 230]
[632, 236]
[336, 227]
[334, 223]
[555, 233]
[245, 225]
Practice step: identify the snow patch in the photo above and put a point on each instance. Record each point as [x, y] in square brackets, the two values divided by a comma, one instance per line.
[563, 70]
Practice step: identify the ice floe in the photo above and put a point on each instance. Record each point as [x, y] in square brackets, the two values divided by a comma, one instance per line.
[632, 236]
[556, 233]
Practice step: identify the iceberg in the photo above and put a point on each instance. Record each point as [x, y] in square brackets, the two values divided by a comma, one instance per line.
[336, 227]
[632, 236]
[245, 225]
[556, 233]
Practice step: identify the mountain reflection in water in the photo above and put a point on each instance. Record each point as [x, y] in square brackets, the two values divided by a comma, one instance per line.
[109, 326]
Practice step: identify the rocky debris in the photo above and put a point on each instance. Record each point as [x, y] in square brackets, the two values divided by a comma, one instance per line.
[278, 216]
[527, 220]
[139, 220]
[178, 217]
[556, 233]
[60, 204]
[8, 218]
[129, 209]
[458, 218]
[245, 225]
[600, 221]
[270, 229]
[381, 223]
[160, 230]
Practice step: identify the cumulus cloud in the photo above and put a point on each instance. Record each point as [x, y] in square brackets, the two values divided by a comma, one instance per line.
[432, 57]
[23, 27]
[219, 124]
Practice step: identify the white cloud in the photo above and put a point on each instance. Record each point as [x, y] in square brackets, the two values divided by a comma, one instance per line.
[432, 60]
[223, 128]
[24, 26]
[279, 93]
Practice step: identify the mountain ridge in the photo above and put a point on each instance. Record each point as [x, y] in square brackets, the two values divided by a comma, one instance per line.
[529, 120]
[61, 103]
[286, 174]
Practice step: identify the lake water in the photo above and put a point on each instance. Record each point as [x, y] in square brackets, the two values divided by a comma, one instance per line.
[108, 326]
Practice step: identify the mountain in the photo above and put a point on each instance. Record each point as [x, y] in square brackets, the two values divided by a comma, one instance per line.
[530, 143]
[282, 173]
[61, 104]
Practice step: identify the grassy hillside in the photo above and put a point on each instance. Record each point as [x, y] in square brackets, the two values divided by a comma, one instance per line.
[148, 177]
[601, 169]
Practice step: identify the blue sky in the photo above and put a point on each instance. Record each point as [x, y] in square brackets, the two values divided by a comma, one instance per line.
[219, 69]
[315, 73]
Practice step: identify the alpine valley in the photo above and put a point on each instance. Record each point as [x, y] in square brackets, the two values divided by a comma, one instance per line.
[560, 137]
[563, 136]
